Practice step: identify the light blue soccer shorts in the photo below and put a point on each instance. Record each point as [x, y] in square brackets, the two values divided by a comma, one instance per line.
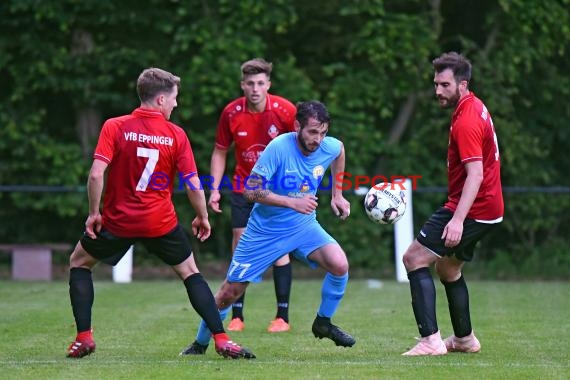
[258, 250]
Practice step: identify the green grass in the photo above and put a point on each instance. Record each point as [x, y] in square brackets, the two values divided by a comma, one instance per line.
[141, 327]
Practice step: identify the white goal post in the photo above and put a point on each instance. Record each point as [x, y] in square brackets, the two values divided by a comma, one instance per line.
[404, 234]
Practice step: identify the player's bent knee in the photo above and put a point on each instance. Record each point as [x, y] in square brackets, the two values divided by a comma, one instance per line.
[447, 273]
[416, 256]
[339, 269]
[408, 260]
[79, 258]
[186, 268]
[412, 261]
[282, 261]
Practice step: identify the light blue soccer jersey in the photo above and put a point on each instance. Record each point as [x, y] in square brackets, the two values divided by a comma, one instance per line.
[287, 171]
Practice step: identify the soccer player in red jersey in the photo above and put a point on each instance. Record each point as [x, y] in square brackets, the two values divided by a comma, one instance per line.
[474, 206]
[250, 123]
[141, 154]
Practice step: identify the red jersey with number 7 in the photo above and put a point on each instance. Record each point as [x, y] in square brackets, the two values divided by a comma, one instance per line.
[144, 152]
[472, 137]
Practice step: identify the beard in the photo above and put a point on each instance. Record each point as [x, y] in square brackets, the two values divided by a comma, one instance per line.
[450, 102]
[305, 146]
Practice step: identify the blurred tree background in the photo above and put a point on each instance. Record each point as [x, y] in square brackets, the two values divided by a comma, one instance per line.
[67, 65]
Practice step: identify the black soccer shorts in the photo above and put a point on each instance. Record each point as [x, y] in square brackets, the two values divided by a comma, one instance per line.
[430, 235]
[172, 248]
[240, 210]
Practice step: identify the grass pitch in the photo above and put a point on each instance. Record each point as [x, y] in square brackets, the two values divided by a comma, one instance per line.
[141, 327]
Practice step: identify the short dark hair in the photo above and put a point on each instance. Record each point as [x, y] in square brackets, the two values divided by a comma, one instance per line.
[256, 66]
[312, 109]
[153, 81]
[459, 65]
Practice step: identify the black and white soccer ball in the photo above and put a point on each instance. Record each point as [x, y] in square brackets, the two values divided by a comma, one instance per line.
[385, 203]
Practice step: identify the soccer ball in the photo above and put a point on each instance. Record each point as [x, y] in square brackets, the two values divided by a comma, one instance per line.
[385, 203]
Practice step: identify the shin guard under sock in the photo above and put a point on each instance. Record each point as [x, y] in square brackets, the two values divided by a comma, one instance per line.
[331, 294]
[203, 302]
[282, 277]
[422, 289]
[81, 294]
[458, 302]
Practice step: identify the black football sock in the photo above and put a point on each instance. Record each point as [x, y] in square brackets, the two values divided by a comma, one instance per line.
[423, 300]
[458, 301]
[203, 302]
[237, 307]
[282, 277]
[81, 294]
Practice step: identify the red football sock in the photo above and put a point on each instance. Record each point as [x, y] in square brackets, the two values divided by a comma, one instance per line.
[85, 335]
[221, 337]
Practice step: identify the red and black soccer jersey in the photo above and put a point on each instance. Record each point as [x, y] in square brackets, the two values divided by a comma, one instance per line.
[472, 138]
[144, 152]
[251, 132]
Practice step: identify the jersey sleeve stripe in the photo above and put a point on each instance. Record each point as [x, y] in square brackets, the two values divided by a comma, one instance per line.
[470, 159]
[188, 175]
[101, 157]
[222, 147]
